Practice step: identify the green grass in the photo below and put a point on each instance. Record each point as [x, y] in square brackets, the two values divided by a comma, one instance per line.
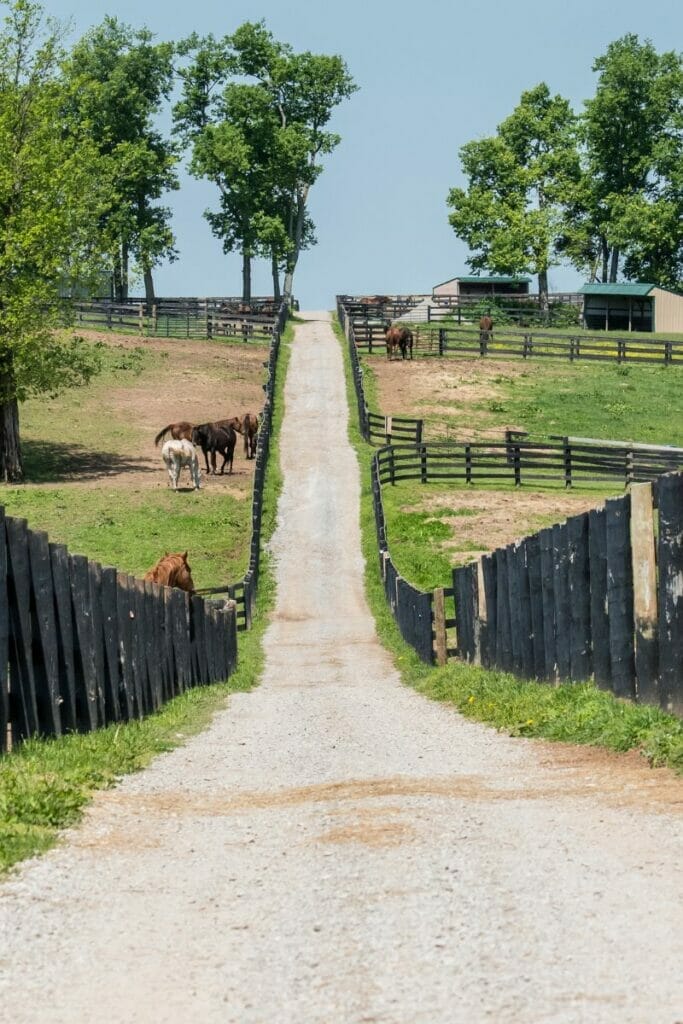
[45, 784]
[573, 713]
[131, 529]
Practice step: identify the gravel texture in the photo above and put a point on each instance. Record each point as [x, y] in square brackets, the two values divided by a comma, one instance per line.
[335, 848]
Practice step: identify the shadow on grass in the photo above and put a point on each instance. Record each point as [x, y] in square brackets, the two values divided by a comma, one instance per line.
[49, 462]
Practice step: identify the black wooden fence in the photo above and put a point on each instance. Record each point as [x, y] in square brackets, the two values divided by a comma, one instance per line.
[504, 342]
[518, 461]
[83, 646]
[182, 318]
[599, 596]
[244, 592]
[373, 426]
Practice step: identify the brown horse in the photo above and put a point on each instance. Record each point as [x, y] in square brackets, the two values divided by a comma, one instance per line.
[172, 571]
[485, 328]
[247, 425]
[398, 338]
[181, 431]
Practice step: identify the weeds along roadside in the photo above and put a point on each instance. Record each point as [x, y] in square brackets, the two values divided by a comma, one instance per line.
[46, 784]
[572, 713]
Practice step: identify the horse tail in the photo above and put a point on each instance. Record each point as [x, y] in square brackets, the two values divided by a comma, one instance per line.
[162, 434]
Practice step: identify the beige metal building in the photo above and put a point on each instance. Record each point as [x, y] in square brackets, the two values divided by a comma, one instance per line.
[632, 307]
[472, 288]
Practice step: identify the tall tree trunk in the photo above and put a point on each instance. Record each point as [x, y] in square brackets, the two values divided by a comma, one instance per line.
[118, 283]
[543, 290]
[11, 463]
[149, 288]
[605, 260]
[246, 276]
[614, 265]
[124, 271]
[276, 275]
[293, 257]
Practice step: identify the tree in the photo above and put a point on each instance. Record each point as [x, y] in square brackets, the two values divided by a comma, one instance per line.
[256, 115]
[52, 195]
[119, 80]
[628, 205]
[511, 212]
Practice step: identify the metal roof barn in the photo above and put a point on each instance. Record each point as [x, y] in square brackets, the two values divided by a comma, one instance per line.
[631, 306]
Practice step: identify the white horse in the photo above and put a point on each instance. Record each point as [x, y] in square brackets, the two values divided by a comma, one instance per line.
[177, 454]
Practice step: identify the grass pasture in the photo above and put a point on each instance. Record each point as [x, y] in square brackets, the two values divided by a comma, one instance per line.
[96, 482]
[426, 525]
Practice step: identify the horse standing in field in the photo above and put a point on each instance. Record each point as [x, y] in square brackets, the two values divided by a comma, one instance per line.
[178, 431]
[247, 425]
[398, 338]
[212, 437]
[485, 329]
[177, 454]
[172, 571]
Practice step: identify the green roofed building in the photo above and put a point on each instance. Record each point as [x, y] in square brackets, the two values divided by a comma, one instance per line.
[481, 287]
[636, 306]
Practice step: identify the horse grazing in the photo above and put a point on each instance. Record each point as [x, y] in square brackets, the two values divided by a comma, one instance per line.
[172, 571]
[179, 453]
[178, 431]
[212, 437]
[398, 338]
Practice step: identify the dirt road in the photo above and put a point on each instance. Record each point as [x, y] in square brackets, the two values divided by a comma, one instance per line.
[337, 849]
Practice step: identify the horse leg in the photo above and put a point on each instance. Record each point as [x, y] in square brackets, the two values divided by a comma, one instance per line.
[194, 472]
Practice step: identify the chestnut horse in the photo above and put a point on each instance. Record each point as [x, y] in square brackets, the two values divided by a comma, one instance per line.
[398, 338]
[181, 431]
[485, 328]
[247, 425]
[172, 571]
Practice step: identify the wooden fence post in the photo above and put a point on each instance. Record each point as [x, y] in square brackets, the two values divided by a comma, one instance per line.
[597, 558]
[388, 426]
[644, 592]
[561, 597]
[620, 596]
[670, 550]
[5, 725]
[580, 662]
[545, 538]
[440, 626]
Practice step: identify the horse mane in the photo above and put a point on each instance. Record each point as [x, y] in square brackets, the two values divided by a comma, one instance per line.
[168, 569]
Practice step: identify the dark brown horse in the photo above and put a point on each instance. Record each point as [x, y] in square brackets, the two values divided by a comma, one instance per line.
[212, 438]
[172, 571]
[247, 425]
[398, 338]
[181, 431]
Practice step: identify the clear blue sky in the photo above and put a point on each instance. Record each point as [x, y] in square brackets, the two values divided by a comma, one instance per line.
[433, 74]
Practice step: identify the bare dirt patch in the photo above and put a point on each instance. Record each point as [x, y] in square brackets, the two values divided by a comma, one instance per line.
[440, 387]
[187, 380]
[500, 517]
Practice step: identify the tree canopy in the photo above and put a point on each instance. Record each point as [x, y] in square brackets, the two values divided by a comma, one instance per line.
[255, 114]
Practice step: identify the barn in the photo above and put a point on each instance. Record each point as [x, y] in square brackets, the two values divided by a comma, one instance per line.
[635, 306]
[473, 288]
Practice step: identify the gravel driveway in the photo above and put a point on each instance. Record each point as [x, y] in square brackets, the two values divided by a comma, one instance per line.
[337, 849]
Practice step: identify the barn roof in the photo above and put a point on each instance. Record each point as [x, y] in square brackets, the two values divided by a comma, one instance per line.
[637, 288]
[473, 279]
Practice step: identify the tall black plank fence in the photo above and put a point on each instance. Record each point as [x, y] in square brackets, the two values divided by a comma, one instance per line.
[599, 596]
[83, 645]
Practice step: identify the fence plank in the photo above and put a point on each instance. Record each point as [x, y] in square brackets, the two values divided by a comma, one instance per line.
[561, 595]
[45, 650]
[545, 538]
[61, 583]
[142, 686]
[526, 629]
[489, 625]
[84, 661]
[23, 706]
[4, 640]
[95, 574]
[503, 636]
[125, 613]
[580, 661]
[110, 640]
[644, 565]
[533, 561]
[620, 596]
[597, 555]
[670, 550]
[514, 577]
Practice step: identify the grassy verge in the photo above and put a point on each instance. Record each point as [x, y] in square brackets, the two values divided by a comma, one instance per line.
[45, 784]
[571, 713]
